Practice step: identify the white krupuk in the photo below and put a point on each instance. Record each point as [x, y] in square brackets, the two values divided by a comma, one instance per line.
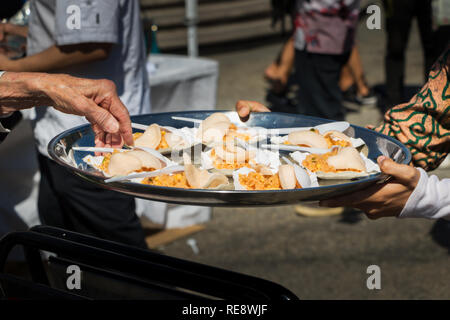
[151, 138]
[308, 138]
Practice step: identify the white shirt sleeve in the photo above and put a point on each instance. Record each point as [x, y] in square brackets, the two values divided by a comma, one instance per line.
[85, 21]
[430, 199]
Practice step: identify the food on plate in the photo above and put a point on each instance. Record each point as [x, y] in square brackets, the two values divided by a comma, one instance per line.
[259, 178]
[217, 128]
[313, 139]
[337, 135]
[191, 178]
[214, 128]
[264, 170]
[230, 156]
[340, 163]
[257, 181]
[123, 163]
[175, 180]
[173, 140]
[163, 139]
[232, 151]
[287, 177]
[344, 159]
[202, 179]
[337, 138]
[153, 138]
[307, 138]
[234, 133]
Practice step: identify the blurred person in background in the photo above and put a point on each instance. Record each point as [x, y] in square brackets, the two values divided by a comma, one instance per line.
[353, 83]
[399, 16]
[323, 38]
[318, 50]
[279, 73]
[95, 40]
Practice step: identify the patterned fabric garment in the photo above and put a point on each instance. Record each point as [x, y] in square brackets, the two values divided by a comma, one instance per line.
[326, 26]
[423, 124]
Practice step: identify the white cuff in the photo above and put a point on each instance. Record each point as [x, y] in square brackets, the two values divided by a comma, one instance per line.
[410, 209]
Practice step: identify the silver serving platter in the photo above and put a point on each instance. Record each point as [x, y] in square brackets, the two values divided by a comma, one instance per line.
[60, 149]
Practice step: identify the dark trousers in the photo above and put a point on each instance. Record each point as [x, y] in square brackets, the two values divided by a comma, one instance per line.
[399, 16]
[69, 202]
[441, 41]
[317, 76]
[9, 8]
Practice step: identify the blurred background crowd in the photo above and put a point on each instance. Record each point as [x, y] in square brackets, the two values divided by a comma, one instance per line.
[169, 55]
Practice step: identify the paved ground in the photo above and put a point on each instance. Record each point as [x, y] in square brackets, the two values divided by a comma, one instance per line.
[323, 258]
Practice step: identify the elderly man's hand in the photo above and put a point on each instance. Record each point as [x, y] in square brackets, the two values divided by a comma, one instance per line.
[244, 108]
[98, 101]
[383, 200]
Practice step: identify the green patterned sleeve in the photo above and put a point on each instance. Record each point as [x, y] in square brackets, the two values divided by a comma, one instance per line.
[423, 124]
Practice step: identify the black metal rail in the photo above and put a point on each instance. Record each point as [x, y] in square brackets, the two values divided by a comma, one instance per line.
[145, 266]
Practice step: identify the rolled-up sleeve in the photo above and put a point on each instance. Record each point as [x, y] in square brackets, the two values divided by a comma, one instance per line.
[87, 21]
[423, 124]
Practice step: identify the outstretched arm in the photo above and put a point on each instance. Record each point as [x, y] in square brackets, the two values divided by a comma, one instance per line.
[97, 100]
[409, 194]
[383, 200]
[57, 57]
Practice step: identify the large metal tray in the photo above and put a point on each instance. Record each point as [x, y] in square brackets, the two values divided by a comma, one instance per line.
[378, 144]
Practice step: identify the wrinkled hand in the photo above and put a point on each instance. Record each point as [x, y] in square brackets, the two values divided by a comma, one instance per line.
[386, 200]
[244, 108]
[98, 101]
